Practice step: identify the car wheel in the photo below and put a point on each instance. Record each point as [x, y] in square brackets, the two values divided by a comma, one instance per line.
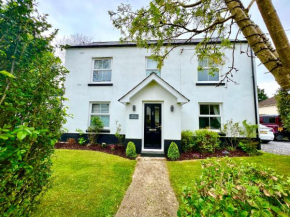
[265, 141]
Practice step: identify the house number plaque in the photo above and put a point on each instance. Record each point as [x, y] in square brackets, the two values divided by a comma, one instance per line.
[133, 116]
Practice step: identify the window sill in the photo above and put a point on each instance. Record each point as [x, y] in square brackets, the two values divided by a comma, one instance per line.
[100, 84]
[102, 131]
[210, 84]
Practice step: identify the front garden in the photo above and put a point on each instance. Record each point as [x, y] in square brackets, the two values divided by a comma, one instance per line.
[218, 185]
[86, 183]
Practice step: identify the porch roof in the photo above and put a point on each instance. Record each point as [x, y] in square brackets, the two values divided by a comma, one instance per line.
[154, 77]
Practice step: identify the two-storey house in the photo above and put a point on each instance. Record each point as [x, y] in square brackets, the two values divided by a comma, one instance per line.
[118, 82]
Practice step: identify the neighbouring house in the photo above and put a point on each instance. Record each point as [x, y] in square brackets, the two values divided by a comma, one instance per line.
[119, 82]
[268, 107]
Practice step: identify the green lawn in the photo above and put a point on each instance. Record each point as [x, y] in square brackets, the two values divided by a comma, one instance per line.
[183, 173]
[86, 183]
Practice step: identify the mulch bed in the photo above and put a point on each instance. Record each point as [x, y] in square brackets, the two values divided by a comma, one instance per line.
[218, 153]
[119, 149]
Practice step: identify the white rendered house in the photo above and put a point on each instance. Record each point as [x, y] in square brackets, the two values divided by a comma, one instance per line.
[118, 82]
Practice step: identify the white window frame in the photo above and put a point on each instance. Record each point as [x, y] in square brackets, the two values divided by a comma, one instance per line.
[219, 73]
[93, 69]
[146, 60]
[99, 114]
[209, 115]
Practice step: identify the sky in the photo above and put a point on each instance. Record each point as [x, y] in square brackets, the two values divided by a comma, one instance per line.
[91, 18]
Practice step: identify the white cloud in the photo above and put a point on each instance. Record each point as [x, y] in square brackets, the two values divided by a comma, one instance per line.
[270, 87]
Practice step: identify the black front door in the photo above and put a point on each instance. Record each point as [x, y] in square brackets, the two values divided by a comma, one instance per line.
[152, 128]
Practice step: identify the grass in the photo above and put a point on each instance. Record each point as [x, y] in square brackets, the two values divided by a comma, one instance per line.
[86, 183]
[183, 173]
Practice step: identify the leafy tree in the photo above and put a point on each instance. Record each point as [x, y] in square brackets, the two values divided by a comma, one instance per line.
[166, 20]
[283, 104]
[31, 106]
[261, 94]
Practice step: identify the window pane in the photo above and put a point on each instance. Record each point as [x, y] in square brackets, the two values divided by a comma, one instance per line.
[148, 117]
[98, 64]
[104, 108]
[157, 116]
[106, 64]
[213, 78]
[272, 120]
[151, 64]
[214, 109]
[107, 75]
[203, 122]
[204, 109]
[203, 62]
[203, 75]
[97, 76]
[215, 123]
[266, 120]
[149, 71]
[104, 118]
[96, 108]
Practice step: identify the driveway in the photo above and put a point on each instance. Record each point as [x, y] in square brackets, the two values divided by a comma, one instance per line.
[277, 147]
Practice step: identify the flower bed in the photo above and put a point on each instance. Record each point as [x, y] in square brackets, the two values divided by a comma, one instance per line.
[109, 149]
[218, 153]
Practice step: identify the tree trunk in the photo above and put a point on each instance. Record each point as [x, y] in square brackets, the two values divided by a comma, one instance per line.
[258, 42]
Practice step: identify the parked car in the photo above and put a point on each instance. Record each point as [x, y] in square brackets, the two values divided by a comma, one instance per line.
[274, 122]
[266, 133]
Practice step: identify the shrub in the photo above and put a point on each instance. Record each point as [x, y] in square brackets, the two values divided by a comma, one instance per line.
[103, 145]
[131, 150]
[249, 147]
[231, 189]
[32, 108]
[250, 130]
[71, 141]
[206, 141]
[232, 131]
[81, 140]
[283, 105]
[187, 140]
[173, 152]
[94, 129]
[118, 131]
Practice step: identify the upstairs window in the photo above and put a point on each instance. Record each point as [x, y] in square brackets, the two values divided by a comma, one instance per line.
[151, 66]
[102, 70]
[209, 116]
[101, 110]
[205, 74]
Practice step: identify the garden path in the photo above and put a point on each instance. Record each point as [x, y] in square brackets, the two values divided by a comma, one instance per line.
[150, 193]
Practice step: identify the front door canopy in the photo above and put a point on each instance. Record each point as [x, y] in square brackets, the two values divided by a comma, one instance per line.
[154, 77]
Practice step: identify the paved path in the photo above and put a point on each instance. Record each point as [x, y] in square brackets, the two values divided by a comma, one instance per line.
[277, 147]
[150, 193]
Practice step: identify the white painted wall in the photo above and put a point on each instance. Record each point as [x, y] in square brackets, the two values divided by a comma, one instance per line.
[180, 71]
[268, 110]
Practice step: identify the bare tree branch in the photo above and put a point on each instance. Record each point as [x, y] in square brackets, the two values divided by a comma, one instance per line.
[189, 5]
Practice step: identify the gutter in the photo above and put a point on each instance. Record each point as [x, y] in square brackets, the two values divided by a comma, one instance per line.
[255, 93]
